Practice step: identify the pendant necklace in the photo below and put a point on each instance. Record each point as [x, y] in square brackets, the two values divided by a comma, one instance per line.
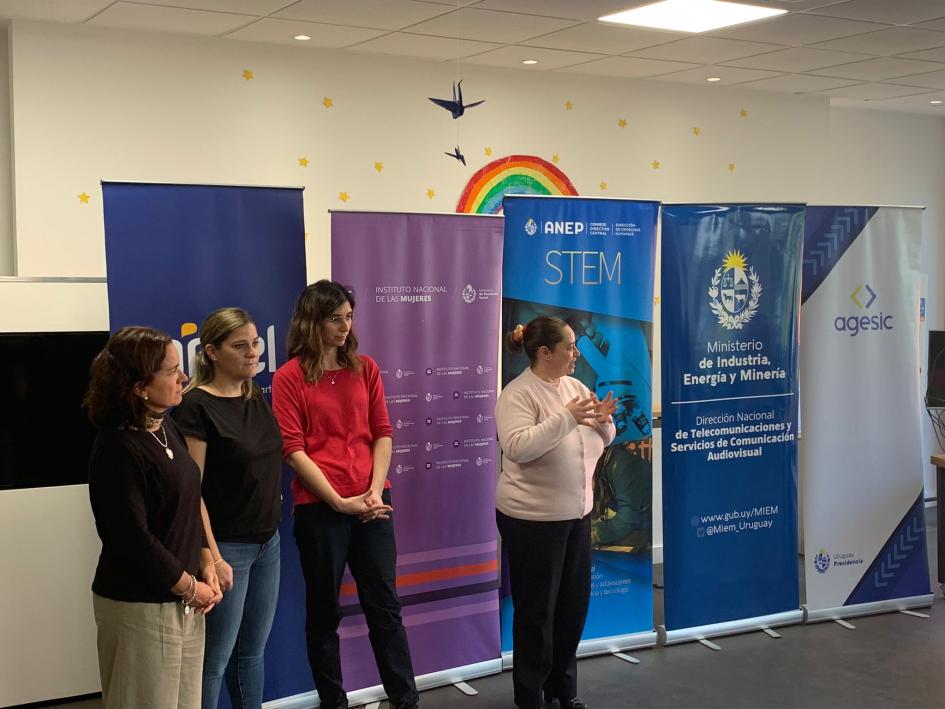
[331, 378]
[170, 453]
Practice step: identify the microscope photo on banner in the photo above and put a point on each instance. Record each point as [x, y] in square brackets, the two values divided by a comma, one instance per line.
[175, 253]
[590, 262]
[730, 293]
[861, 454]
[427, 288]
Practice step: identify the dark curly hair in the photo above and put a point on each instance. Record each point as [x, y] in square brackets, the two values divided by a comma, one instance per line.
[131, 357]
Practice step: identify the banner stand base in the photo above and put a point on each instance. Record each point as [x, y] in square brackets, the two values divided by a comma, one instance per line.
[890, 606]
[453, 676]
[732, 627]
[604, 646]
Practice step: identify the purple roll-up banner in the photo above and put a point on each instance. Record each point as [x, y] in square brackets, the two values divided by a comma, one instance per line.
[426, 288]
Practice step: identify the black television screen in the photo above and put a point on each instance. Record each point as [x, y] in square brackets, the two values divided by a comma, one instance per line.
[935, 391]
[45, 434]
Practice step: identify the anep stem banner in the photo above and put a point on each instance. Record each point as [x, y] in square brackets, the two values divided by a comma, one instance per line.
[861, 455]
[427, 288]
[174, 254]
[730, 293]
[590, 262]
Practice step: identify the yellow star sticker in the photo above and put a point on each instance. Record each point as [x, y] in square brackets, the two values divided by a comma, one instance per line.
[379, 166]
[306, 236]
[696, 130]
[84, 198]
[344, 196]
[327, 102]
[568, 105]
[655, 164]
[431, 193]
[555, 158]
[603, 185]
[303, 162]
[247, 74]
[743, 113]
[731, 167]
[488, 151]
[656, 300]
[622, 123]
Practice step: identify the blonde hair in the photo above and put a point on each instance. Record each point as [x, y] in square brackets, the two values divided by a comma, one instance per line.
[214, 330]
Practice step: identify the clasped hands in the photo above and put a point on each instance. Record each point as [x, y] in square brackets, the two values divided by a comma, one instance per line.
[367, 507]
[591, 410]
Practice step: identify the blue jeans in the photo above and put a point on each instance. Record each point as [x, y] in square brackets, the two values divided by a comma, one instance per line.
[238, 628]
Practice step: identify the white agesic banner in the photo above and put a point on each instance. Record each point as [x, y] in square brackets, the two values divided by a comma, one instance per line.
[860, 449]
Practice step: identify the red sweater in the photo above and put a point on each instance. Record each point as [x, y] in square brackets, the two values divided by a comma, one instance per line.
[336, 424]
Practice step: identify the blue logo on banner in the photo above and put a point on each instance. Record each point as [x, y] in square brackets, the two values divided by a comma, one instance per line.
[822, 561]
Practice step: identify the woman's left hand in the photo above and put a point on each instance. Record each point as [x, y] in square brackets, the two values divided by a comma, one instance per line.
[605, 408]
[224, 575]
[208, 574]
[378, 510]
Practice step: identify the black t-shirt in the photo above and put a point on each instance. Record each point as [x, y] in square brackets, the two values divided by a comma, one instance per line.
[147, 513]
[242, 473]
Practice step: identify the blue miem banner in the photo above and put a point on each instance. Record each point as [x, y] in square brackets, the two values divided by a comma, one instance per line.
[730, 296]
[174, 253]
[590, 262]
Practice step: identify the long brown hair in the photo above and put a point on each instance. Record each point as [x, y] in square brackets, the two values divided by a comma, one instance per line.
[316, 303]
[214, 330]
[131, 357]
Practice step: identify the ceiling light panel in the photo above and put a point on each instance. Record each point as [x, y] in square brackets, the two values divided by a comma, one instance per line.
[691, 15]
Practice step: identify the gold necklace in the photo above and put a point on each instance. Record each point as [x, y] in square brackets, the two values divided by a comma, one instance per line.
[170, 453]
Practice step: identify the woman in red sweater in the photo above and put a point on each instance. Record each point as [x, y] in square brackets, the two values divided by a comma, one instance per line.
[329, 402]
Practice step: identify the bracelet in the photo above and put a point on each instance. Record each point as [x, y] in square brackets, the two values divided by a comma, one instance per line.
[219, 561]
[192, 590]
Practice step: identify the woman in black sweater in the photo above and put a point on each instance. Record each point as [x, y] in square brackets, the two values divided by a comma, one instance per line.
[154, 579]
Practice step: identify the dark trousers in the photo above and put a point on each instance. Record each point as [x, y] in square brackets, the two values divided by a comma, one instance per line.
[327, 540]
[550, 575]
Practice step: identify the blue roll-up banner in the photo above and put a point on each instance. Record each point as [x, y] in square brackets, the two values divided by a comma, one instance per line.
[174, 253]
[861, 455]
[590, 262]
[730, 296]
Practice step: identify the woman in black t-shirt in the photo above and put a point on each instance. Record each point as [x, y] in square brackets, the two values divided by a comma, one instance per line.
[234, 439]
[153, 572]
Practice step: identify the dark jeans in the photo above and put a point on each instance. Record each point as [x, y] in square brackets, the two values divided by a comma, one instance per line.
[327, 540]
[550, 575]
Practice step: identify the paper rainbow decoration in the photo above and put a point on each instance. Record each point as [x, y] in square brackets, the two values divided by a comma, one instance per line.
[513, 174]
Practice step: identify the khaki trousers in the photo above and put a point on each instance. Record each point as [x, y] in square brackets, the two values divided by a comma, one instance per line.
[150, 655]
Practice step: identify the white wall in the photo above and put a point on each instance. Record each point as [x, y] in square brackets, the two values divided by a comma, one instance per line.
[90, 104]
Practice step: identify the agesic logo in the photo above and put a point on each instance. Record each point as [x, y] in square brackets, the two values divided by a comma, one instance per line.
[822, 561]
[734, 291]
[863, 297]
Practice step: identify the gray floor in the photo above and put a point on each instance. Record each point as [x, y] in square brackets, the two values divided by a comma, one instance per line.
[890, 661]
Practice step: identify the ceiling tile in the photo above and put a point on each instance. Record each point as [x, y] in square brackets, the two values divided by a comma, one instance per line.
[892, 12]
[911, 104]
[879, 69]
[567, 9]
[628, 67]
[131, 16]
[322, 36]
[728, 75]
[378, 14]
[705, 50]
[797, 30]
[547, 58]
[873, 92]
[51, 10]
[895, 40]
[795, 5]
[930, 80]
[257, 8]
[489, 25]
[796, 59]
[603, 38]
[796, 83]
[424, 47]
